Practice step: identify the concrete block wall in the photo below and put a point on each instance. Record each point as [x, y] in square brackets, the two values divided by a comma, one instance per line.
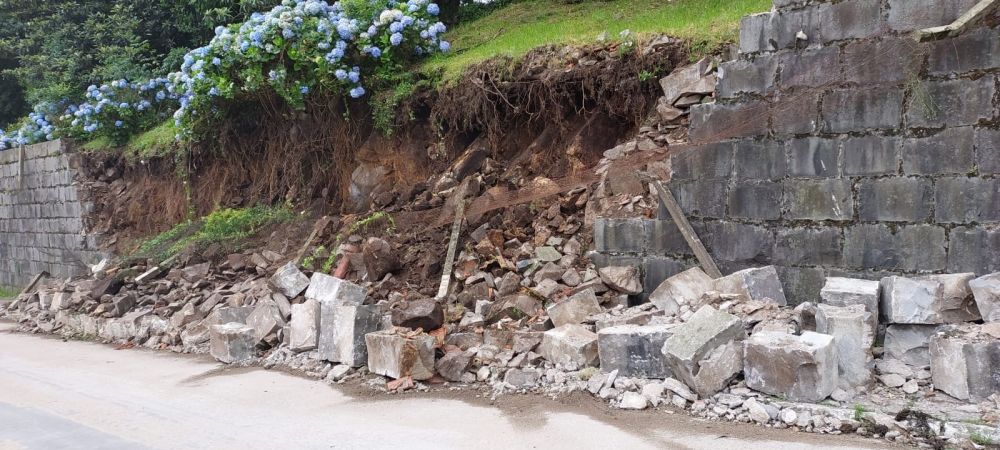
[42, 216]
[838, 145]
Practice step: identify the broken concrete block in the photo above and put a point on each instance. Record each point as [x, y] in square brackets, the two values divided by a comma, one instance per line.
[233, 342]
[289, 280]
[304, 332]
[685, 288]
[851, 291]
[853, 337]
[522, 378]
[801, 368]
[965, 361]
[986, 290]
[453, 365]
[265, 319]
[425, 314]
[622, 279]
[397, 354]
[324, 288]
[957, 305]
[571, 346]
[915, 301]
[908, 343]
[760, 283]
[704, 352]
[342, 332]
[574, 310]
[634, 350]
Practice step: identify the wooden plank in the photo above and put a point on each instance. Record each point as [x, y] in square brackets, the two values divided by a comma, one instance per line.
[34, 282]
[704, 258]
[318, 228]
[970, 18]
[456, 229]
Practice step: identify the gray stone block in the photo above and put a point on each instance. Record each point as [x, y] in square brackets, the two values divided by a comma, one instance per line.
[571, 346]
[758, 283]
[289, 280]
[737, 242]
[634, 350]
[823, 199]
[965, 362]
[756, 33]
[685, 288]
[905, 248]
[871, 155]
[701, 198]
[801, 368]
[763, 160]
[974, 249]
[343, 329]
[810, 68]
[716, 121]
[786, 28]
[896, 60]
[909, 15]
[986, 291]
[896, 199]
[973, 50]
[909, 343]
[795, 113]
[863, 109]
[965, 200]
[706, 351]
[814, 157]
[747, 76]
[759, 200]
[820, 246]
[948, 152]
[801, 284]
[304, 326]
[232, 342]
[575, 309]
[621, 235]
[704, 161]
[656, 269]
[850, 20]
[951, 103]
[987, 144]
[327, 289]
[854, 336]
[397, 356]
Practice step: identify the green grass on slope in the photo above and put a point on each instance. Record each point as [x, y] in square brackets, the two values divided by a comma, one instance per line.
[8, 292]
[226, 227]
[524, 25]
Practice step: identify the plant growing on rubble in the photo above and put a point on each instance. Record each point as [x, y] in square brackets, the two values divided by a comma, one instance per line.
[859, 411]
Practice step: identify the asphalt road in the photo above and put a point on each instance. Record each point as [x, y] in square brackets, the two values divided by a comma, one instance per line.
[77, 395]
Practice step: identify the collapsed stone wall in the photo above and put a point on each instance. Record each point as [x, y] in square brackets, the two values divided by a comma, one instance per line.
[839, 146]
[42, 215]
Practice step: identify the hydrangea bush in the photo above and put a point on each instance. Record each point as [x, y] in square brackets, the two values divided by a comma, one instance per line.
[297, 48]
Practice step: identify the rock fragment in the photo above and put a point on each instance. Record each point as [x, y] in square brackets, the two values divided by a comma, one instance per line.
[266, 320]
[938, 299]
[705, 351]
[853, 338]
[343, 329]
[986, 290]
[289, 280]
[232, 342]
[801, 368]
[425, 314]
[622, 279]
[760, 283]
[571, 346]
[304, 326]
[575, 309]
[634, 350]
[685, 288]
[965, 362]
[908, 343]
[327, 289]
[397, 354]
[380, 258]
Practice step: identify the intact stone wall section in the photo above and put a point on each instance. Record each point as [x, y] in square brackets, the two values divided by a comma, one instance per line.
[838, 146]
[42, 215]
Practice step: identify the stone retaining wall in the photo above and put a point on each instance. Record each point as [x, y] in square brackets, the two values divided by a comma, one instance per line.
[42, 226]
[851, 149]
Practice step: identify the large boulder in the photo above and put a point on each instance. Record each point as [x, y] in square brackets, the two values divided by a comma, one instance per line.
[232, 342]
[343, 329]
[289, 280]
[425, 314]
[760, 283]
[986, 290]
[965, 360]
[575, 309]
[908, 343]
[800, 368]
[851, 291]
[624, 279]
[397, 354]
[685, 288]
[266, 320]
[705, 352]
[571, 346]
[853, 337]
[936, 299]
[327, 289]
[304, 326]
[634, 351]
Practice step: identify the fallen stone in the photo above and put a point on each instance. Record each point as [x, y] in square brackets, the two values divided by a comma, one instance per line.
[957, 304]
[289, 280]
[327, 289]
[923, 301]
[571, 346]
[227, 314]
[704, 351]
[851, 291]
[889, 365]
[680, 389]
[633, 400]
[521, 378]
[911, 387]
[380, 258]
[187, 314]
[343, 330]
[575, 309]
[398, 354]
[265, 319]
[986, 290]
[425, 314]
[685, 288]
[800, 368]
[232, 342]
[892, 380]
[123, 304]
[338, 372]
[760, 284]
[453, 365]
[304, 326]
[516, 307]
[634, 351]
[965, 362]
[548, 254]
[622, 279]
[908, 343]
[195, 273]
[853, 339]
[757, 411]
[693, 79]
[526, 341]
[788, 416]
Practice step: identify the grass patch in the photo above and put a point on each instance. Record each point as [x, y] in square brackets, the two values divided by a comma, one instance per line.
[227, 227]
[158, 141]
[980, 439]
[100, 144]
[859, 412]
[9, 292]
[517, 28]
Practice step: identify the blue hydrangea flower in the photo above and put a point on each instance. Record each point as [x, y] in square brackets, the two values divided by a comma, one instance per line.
[396, 39]
[357, 92]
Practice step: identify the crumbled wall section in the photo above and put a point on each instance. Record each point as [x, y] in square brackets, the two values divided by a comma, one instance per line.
[42, 225]
[850, 150]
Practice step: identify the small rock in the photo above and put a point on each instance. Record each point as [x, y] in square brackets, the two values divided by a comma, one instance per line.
[892, 380]
[788, 416]
[633, 400]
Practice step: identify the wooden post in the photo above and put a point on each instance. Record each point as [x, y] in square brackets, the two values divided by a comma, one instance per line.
[970, 18]
[704, 258]
[456, 229]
